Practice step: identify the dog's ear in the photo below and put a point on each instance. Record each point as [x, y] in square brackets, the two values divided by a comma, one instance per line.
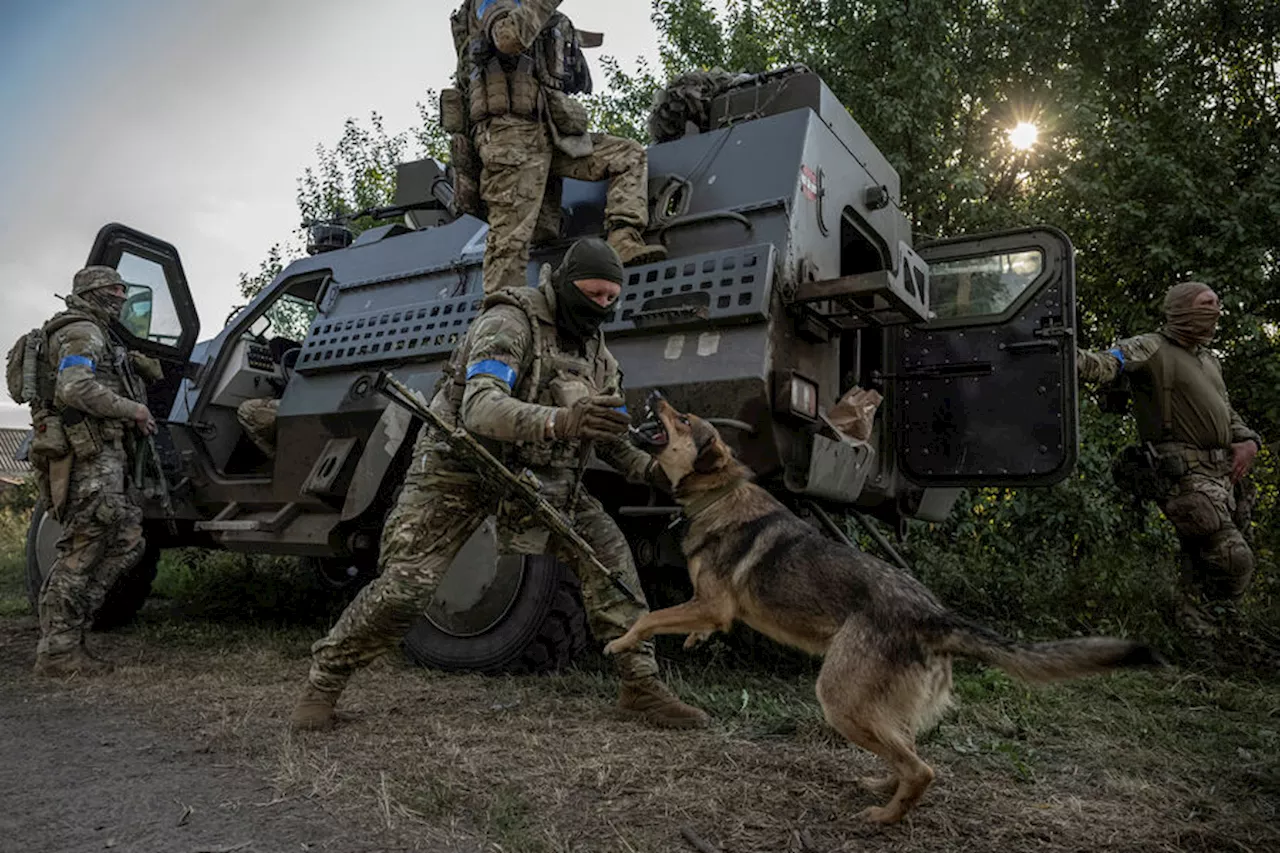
[709, 458]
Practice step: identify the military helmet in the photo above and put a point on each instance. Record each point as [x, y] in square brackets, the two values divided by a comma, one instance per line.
[94, 278]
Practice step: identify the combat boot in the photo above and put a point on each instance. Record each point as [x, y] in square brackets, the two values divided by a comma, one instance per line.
[314, 710]
[650, 700]
[632, 249]
[76, 661]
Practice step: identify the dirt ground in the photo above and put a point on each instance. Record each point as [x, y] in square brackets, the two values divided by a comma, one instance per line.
[185, 749]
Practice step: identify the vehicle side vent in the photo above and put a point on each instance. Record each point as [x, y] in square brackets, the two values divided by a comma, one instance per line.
[718, 288]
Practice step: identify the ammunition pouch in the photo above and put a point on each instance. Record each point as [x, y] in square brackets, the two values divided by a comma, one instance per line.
[465, 166]
[453, 112]
[1116, 397]
[1145, 474]
[49, 439]
[566, 113]
[83, 436]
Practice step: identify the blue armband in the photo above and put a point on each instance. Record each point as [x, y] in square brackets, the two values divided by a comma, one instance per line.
[496, 369]
[77, 361]
[483, 6]
[1119, 356]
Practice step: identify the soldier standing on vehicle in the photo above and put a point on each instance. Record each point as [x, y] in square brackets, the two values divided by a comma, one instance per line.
[533, 379]
[515, 123]
[1203, 450]
[82, 412]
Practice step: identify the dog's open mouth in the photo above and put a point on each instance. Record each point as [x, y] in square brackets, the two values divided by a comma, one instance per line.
[650, 434]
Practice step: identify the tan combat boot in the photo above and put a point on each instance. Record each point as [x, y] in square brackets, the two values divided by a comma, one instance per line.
[76, 661]
[650, 700]
[632, 249]
[314, 710]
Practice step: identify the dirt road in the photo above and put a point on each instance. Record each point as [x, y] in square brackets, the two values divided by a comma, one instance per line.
[185, 749]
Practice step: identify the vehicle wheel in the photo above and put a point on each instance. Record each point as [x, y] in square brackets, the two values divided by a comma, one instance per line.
[500, 613]
[123, 601]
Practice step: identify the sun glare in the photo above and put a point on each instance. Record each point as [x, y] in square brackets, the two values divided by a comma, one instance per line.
[1023, 135]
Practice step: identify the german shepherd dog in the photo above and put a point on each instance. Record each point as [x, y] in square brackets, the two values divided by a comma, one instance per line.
[886, 641]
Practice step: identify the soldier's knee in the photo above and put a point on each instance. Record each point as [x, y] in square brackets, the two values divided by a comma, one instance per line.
[1233, 559]
[1194, 514]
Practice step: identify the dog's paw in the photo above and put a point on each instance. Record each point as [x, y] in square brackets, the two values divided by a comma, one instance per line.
[695, 638]
[879, 815]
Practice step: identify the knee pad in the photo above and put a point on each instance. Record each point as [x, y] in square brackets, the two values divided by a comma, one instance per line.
[1233, 561]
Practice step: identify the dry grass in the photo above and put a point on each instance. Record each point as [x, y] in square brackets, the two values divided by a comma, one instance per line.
[1170, 762]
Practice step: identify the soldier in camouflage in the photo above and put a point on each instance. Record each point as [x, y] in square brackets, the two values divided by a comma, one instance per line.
[82, 476]
[534, 379]
[258, 416]
[1181, 406]
[519, 64]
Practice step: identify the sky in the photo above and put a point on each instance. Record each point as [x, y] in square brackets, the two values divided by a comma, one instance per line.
[192, 120]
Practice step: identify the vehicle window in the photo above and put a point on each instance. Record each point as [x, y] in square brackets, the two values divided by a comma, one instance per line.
[145, 274]
[975, 287]
[290, 317]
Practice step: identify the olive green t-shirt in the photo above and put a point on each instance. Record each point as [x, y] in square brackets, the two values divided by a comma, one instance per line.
[1200, 407]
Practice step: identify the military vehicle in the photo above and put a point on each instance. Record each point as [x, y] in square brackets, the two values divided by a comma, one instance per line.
[792, 277]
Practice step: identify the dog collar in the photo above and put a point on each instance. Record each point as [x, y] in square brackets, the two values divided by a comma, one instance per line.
[704, 502]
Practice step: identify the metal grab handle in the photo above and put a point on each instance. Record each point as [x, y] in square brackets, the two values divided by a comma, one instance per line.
[1032, 346]
[699, 218]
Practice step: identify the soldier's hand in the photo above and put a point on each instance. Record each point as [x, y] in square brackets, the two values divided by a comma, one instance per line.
[144, 421]
[1243, 453]
[596, 418]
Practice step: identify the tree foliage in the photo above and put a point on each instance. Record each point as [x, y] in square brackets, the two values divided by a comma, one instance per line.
[1158, 154]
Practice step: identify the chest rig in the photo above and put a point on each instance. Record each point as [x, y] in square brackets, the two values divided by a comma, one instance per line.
[552, 376]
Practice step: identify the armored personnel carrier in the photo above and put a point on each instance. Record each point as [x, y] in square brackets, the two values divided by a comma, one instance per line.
[792, 277]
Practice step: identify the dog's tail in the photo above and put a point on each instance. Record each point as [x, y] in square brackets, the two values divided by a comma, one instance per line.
[1051, 661]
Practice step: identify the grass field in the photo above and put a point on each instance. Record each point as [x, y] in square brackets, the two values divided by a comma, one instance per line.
[1170, 761]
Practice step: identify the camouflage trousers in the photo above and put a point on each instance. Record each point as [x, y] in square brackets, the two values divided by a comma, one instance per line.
[1213, 519]
[258, 417]
[436, 513]
[518, 160]
[101, 539]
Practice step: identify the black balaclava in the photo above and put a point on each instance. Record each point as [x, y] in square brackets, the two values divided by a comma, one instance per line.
[576, 315]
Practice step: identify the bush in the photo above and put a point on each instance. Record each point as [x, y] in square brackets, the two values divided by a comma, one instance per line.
[1078, 557]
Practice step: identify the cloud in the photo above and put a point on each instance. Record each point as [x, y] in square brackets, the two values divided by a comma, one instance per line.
[193, 121]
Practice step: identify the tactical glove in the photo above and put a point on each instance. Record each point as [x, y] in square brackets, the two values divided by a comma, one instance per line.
[596, 418]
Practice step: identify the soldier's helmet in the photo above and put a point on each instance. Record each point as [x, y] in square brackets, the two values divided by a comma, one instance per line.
[94, 278]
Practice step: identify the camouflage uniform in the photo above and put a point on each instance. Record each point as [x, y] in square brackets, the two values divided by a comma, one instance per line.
[258, 417]
[518, 65]
[513, 375]
[101, 525]
[1181, 406]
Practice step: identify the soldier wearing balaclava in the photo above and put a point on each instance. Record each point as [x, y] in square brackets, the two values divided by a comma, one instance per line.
[85, 416]
[534, 379]
[1203, 453]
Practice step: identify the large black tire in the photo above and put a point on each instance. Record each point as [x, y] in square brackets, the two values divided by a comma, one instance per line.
[543, 629]
[125, 598]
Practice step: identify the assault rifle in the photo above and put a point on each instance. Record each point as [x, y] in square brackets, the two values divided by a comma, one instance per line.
[147, 442]
[523, 487]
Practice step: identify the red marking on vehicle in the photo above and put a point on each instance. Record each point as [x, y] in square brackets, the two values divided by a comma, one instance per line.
[809, 183]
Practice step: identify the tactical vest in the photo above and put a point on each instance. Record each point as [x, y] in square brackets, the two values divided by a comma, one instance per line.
[553, 378]
[108, 372]
[496, 84]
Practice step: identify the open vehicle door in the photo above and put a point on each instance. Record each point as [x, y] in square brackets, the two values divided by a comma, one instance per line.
[159, 317]
[985, 391]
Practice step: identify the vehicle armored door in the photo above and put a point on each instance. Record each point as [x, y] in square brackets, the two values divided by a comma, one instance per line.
[984, 393]
[159, 317]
